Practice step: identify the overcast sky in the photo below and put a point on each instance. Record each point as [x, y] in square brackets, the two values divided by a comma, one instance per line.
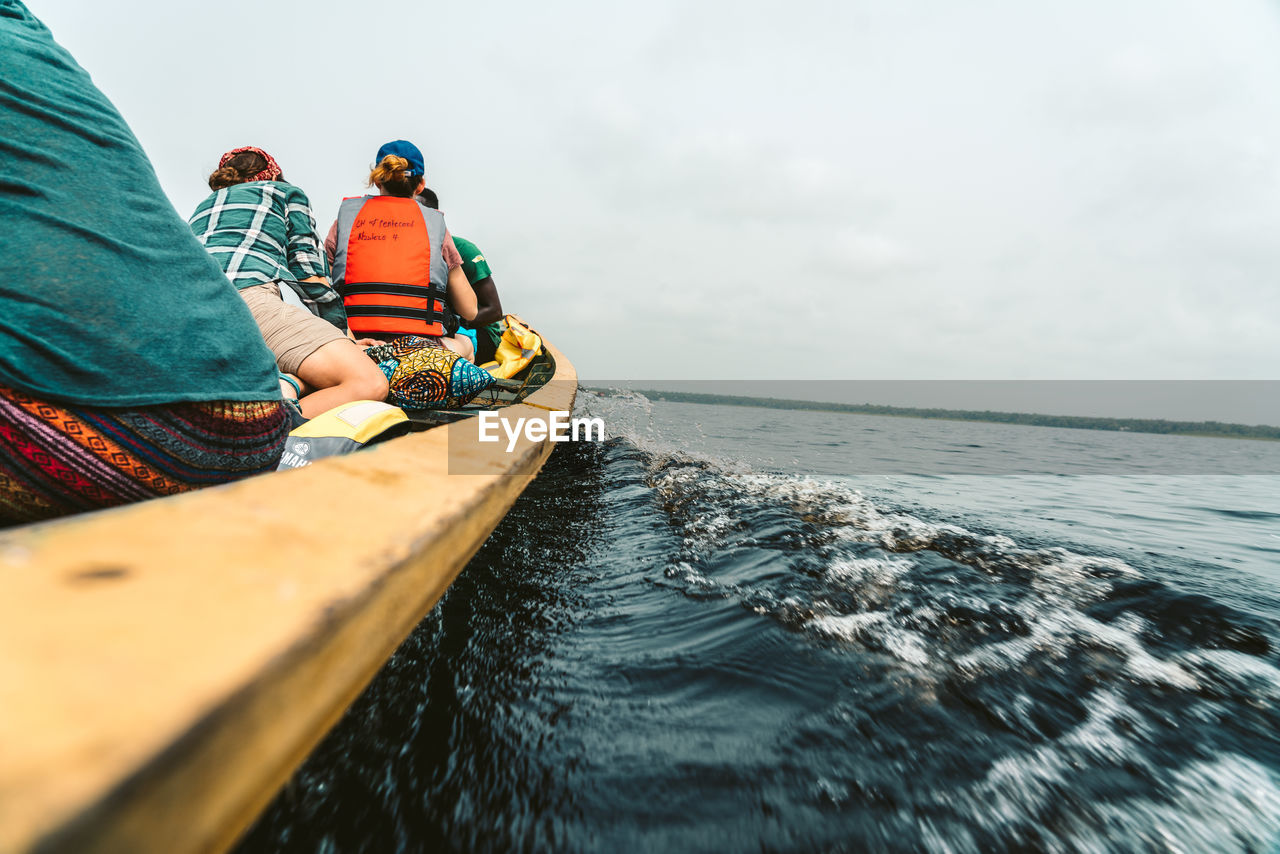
[818, 190]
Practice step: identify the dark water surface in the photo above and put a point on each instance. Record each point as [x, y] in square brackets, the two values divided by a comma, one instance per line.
[715, 633]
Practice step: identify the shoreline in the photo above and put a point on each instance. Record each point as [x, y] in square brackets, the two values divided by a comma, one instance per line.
[1154, 426]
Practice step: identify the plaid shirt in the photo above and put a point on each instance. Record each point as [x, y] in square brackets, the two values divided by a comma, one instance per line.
[259, 232]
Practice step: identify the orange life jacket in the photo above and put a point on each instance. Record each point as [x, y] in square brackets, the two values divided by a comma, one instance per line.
[390, 267]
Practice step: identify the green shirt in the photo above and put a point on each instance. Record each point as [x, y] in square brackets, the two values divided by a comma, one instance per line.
[108, 299]
[473, 263]
[476, 269]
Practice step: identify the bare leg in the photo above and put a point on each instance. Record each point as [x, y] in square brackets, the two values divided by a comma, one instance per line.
[461, 345]
[342, 373]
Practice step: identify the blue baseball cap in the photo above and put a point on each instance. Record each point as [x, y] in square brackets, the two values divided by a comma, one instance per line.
[407, 150]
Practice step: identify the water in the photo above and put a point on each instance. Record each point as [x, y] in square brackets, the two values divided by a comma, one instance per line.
[711, 633]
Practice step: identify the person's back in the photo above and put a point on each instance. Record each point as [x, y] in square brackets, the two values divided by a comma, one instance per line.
[260, 230]
[489, 312]
[483, 330]
[475, 330]
[233, 220]
[393, 259]
[389, 266]
[114, 317]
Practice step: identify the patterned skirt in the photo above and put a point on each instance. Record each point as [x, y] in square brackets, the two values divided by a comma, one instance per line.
[57, 459]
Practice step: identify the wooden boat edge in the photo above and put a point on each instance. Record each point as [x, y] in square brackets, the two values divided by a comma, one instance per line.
[230, 754]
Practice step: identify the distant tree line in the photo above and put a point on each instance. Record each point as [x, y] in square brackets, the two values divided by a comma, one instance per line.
[1132, 425]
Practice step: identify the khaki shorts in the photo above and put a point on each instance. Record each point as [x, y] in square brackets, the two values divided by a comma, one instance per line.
[292, 333]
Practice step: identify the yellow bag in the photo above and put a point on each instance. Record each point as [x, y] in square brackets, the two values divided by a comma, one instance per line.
[518, 347]
[342, 430]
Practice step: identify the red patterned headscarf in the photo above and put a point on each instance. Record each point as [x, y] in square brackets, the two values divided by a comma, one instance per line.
[271, 173]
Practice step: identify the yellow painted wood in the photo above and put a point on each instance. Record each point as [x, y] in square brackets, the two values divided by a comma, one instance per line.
[165, 667]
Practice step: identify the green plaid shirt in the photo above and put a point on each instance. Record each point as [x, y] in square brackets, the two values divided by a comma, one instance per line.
[259, 232]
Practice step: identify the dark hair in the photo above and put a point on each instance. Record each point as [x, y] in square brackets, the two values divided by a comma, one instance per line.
[429, 198]
[392, 175]
[240, 168]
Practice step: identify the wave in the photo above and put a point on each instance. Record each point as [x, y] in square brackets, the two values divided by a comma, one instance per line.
[1101, 705]
[666, 648]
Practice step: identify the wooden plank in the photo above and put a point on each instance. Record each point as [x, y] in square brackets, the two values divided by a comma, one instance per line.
[166, 666]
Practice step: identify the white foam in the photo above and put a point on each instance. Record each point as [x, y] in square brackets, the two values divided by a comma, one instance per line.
[868, 570]
[1059, 630]
[1140, 664]
[681, 571]
[1242, 672]
[1221, 806]
[847, 626]
[1027, 783]
[876, 626]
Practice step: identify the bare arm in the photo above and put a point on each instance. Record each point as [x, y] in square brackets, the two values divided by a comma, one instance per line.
[490, 307]
[331, 243]
[461, 297]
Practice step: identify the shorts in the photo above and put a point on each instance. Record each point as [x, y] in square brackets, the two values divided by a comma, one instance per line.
[292, 333]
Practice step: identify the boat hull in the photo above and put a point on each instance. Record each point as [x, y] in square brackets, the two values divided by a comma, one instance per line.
[165, 667]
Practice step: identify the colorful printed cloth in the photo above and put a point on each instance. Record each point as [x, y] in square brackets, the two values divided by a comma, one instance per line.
[57, 459]
[260, 231]
[422, 374]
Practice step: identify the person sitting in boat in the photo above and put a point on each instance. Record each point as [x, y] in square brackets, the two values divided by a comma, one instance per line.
[260, 230]
[484, 331]
[128, 369]
[394, 261]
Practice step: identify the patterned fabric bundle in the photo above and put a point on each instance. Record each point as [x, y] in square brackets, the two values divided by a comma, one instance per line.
[422, 374]
[57, 459]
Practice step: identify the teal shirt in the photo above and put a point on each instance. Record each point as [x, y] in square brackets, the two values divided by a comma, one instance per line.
[108, 298]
